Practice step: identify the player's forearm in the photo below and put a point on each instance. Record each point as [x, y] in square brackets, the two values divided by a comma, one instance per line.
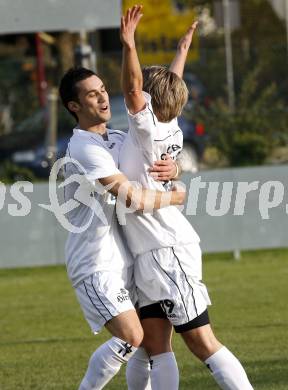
[132, 79]
[178, 64]
[154, 200]
[139, 199]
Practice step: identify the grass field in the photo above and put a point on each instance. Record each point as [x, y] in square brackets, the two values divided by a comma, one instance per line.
[45, 343]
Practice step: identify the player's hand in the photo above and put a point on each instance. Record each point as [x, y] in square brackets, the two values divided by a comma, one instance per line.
[186, 40]
[181, 191]
[129, 24]
[164, 170]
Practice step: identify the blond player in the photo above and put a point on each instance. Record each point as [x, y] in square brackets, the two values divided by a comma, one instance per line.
[165, 246]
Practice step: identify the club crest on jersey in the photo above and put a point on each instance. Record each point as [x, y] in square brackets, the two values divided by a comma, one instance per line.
[173, 150]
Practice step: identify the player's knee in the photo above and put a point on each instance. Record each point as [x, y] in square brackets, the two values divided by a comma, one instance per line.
[155, 346]
[201, 349]
[135, 337]
[157, 335]
[201, 342]
[206, 348]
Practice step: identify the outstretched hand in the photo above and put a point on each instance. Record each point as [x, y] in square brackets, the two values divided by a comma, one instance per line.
[129, 24]
[178, 63]
[186, 40]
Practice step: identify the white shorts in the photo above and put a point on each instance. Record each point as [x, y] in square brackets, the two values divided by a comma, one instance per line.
[106, 294]
[172, 276]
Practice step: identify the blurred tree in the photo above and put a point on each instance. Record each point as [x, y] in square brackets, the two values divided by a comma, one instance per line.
[258, 124]
[16, 89]
[9, 173]
[260, 39]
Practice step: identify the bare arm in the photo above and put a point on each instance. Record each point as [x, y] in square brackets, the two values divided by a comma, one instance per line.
[178, 64]
[131, 75]
[140, 199]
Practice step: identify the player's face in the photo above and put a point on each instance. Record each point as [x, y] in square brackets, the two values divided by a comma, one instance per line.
[93, 100]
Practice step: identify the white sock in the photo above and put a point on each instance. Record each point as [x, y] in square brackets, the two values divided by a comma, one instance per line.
[138, 371]
[228, 371]
[105, 363]
[164, 372]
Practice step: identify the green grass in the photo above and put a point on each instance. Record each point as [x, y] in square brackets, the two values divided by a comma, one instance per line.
[45, 343]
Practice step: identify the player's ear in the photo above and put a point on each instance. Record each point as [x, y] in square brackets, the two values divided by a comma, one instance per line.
[74, 106]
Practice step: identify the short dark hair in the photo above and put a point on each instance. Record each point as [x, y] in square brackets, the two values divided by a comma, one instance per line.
[68, 85]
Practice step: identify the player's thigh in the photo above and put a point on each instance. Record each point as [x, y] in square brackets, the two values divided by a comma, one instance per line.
[164, 276]
[157, 335]
[201, 341]
[127, 327]
[105, 301]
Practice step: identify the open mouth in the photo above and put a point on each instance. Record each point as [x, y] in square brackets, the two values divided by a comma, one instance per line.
[104, 108]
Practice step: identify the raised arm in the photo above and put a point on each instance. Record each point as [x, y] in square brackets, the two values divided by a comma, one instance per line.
[178, 64]
[131, 76]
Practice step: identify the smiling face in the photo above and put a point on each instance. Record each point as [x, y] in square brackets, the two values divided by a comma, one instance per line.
[92, 107]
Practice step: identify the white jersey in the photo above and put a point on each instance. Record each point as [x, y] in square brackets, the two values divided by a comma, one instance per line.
[147, 141]
[99, 247]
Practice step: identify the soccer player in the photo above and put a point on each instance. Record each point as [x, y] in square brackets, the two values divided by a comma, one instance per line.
[98, 264]
[166, 248]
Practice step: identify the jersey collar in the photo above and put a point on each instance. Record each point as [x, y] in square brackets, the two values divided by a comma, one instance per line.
[84, 133]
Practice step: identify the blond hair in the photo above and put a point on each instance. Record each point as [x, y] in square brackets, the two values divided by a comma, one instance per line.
[168, 92]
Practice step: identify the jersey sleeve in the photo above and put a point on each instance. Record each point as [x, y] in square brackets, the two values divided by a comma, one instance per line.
[97, 162]
[142, 127]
